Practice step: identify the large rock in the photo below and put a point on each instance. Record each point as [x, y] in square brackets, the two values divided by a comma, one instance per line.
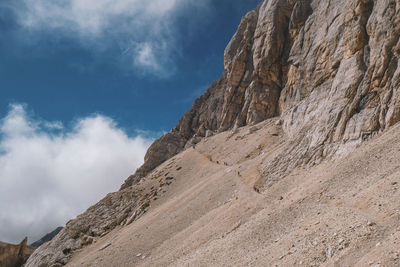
[247, 93]
[14, 255]
[343, 81]
[112, 211]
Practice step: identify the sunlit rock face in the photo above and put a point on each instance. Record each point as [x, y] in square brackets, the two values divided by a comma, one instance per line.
[329, 68]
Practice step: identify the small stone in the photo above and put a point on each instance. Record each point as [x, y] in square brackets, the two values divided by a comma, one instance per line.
[395, 256]
[329, 252]
[87, 240]
[131, 218]
[209, 133]
[139, 254]
[66, 251]
[253, 129]
[106, 245]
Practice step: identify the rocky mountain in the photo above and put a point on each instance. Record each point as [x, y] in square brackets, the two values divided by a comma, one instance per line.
[311, 89]
[47, 237]
[14, 255]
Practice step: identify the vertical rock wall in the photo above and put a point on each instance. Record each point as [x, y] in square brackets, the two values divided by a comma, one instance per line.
[343, 81]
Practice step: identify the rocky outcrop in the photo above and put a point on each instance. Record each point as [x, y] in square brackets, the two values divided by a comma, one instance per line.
[343, 81]
[14, 255]
[330, 71]
[247, 93]
[329, 68]
[117, 209]
[114, 210]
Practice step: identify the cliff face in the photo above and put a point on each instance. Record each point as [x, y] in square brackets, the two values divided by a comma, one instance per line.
[14, 255]
[247, 93]
[328, 69]
[343, 80]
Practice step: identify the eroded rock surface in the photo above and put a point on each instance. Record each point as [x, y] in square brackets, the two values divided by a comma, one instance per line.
[247, 93]
[115, 210]
[14, 255]
[343, 81]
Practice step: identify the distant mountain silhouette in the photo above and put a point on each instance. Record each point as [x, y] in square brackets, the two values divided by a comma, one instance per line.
[47, 237]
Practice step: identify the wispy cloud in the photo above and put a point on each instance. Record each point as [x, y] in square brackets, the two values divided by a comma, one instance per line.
[150, 57]
[91, 17]
[49, 173]
[145, 30]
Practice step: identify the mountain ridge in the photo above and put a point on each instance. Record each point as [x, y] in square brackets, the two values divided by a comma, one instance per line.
[47, 237]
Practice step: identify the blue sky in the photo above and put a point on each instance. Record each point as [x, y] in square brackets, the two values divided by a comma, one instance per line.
[86, 86]
[64, 70]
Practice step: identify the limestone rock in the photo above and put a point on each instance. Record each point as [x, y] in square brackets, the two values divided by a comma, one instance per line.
[96, 222]
[162, 149]
[247, 92]
[14, 255]
[343, 81]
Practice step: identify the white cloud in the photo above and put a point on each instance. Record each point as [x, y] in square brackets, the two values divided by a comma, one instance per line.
[53, 125]
[148, 25]
[145, 57]
[91, 17]
[49, 174]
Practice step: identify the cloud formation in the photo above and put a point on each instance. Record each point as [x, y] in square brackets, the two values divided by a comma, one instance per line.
[49, 174]
[145, 30]
[92, 17]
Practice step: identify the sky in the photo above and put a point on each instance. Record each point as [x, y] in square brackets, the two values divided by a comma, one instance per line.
[86, 86]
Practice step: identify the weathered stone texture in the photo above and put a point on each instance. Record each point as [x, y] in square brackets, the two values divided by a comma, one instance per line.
[14, 255]
[343, 81]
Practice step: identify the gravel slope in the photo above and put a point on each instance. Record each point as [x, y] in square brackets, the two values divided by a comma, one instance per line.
[343, 212]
